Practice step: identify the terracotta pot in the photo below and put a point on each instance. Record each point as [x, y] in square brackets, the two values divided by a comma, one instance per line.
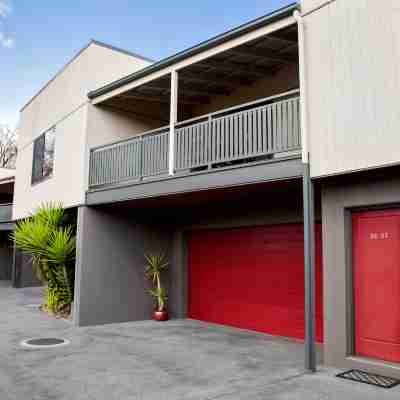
[160, 315]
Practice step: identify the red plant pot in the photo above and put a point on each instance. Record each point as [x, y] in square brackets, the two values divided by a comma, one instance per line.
[160, 315]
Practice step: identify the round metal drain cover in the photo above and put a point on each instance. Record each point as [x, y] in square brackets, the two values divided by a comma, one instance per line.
[41, 343]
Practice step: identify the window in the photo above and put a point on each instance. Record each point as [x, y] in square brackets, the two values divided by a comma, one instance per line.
[43, 156]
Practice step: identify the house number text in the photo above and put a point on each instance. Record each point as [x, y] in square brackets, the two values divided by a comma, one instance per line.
[379, 235]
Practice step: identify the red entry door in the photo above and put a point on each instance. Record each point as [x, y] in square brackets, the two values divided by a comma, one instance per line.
[252, 278]
[376, 263]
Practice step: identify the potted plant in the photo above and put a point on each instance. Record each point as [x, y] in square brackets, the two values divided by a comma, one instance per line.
[156, 264]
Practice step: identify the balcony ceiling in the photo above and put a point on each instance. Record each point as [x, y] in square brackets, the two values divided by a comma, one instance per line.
[220, 74]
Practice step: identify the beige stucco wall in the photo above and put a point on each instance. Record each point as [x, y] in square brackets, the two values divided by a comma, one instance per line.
[105, 125]
[67, 182]
[352, 67]
[63, 104]
[286, 79]
[308, 5]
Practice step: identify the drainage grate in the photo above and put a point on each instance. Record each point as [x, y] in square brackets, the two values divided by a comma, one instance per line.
[41, 343]
[371, 379]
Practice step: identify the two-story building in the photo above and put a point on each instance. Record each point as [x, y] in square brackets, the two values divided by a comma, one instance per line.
[263, 161]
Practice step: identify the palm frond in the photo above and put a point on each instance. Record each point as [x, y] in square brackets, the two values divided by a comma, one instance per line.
[50, 213]
[60, 247]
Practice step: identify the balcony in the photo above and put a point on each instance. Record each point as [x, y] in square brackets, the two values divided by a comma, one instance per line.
[264, 131]
[5, 212]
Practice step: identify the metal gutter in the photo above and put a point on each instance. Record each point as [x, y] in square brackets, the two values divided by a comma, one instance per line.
[203, 46]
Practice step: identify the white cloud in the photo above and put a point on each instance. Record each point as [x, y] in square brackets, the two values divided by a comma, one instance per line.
[6, 41]
[5, 10]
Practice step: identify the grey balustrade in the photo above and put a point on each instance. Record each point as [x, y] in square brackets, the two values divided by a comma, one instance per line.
[248, 133]
[129, 160]
[6, 212]
[263, 130]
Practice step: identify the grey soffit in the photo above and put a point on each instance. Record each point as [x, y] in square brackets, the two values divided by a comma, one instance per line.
[203, 46]
[281, 169]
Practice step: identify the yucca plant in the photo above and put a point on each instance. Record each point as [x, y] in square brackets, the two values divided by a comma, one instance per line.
[156, 264]
[51, 246]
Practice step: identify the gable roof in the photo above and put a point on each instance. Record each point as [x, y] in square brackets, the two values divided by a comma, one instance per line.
[92, 41]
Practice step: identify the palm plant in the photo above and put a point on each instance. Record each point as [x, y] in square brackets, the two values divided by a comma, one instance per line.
[156, 264]
[51, 246]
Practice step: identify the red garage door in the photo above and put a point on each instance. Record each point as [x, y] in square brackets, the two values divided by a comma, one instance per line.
[376, 262]
[252, 278]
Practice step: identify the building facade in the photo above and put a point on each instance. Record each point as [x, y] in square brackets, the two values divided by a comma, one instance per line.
[262, 161]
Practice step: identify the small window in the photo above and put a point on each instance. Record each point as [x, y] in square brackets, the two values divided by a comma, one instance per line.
[43, 156]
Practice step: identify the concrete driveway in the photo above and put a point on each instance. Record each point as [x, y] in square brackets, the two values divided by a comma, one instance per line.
[179, 359]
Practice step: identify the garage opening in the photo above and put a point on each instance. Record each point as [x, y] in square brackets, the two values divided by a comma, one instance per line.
[253, 278]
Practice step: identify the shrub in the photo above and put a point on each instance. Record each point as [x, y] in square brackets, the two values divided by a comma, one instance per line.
[50, 241]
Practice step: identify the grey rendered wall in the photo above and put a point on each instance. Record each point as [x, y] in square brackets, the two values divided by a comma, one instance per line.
[111, 242]
[6, 256]
[22, 272]
[109, 279]
[338, 199]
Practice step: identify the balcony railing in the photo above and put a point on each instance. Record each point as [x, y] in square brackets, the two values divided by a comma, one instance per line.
[5, 212]
[240, 135]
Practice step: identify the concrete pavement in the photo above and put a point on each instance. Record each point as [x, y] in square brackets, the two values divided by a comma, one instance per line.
[180, 359]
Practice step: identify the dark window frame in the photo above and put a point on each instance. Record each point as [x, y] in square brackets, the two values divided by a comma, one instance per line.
[43, 157]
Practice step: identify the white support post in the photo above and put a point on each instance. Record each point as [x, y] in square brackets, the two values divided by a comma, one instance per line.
[173, 118]
[303, 89]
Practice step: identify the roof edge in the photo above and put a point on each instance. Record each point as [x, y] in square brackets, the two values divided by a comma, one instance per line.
[202, 46]
[77, 54]
[119, 49]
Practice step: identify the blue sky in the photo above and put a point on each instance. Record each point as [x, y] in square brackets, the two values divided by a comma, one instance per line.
[38, 37]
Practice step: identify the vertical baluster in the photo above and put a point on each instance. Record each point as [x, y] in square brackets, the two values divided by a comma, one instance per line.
[213, 138]
[279, 126]
[231, 135]
[223, 139]
[286, 123]
[202, 143]
[190, 137]
[218, 140]
[145, 157]
[196, 144]
[245, 134]
[259, 131]
[240, 134]
[290, 125]
[269, 129]
[178, 150]
[235, 137]
[264, 131]
[254, 124]
[186, 131]
[297, 121]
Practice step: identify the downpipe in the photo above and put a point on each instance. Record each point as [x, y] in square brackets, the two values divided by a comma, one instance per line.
[308, 211]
